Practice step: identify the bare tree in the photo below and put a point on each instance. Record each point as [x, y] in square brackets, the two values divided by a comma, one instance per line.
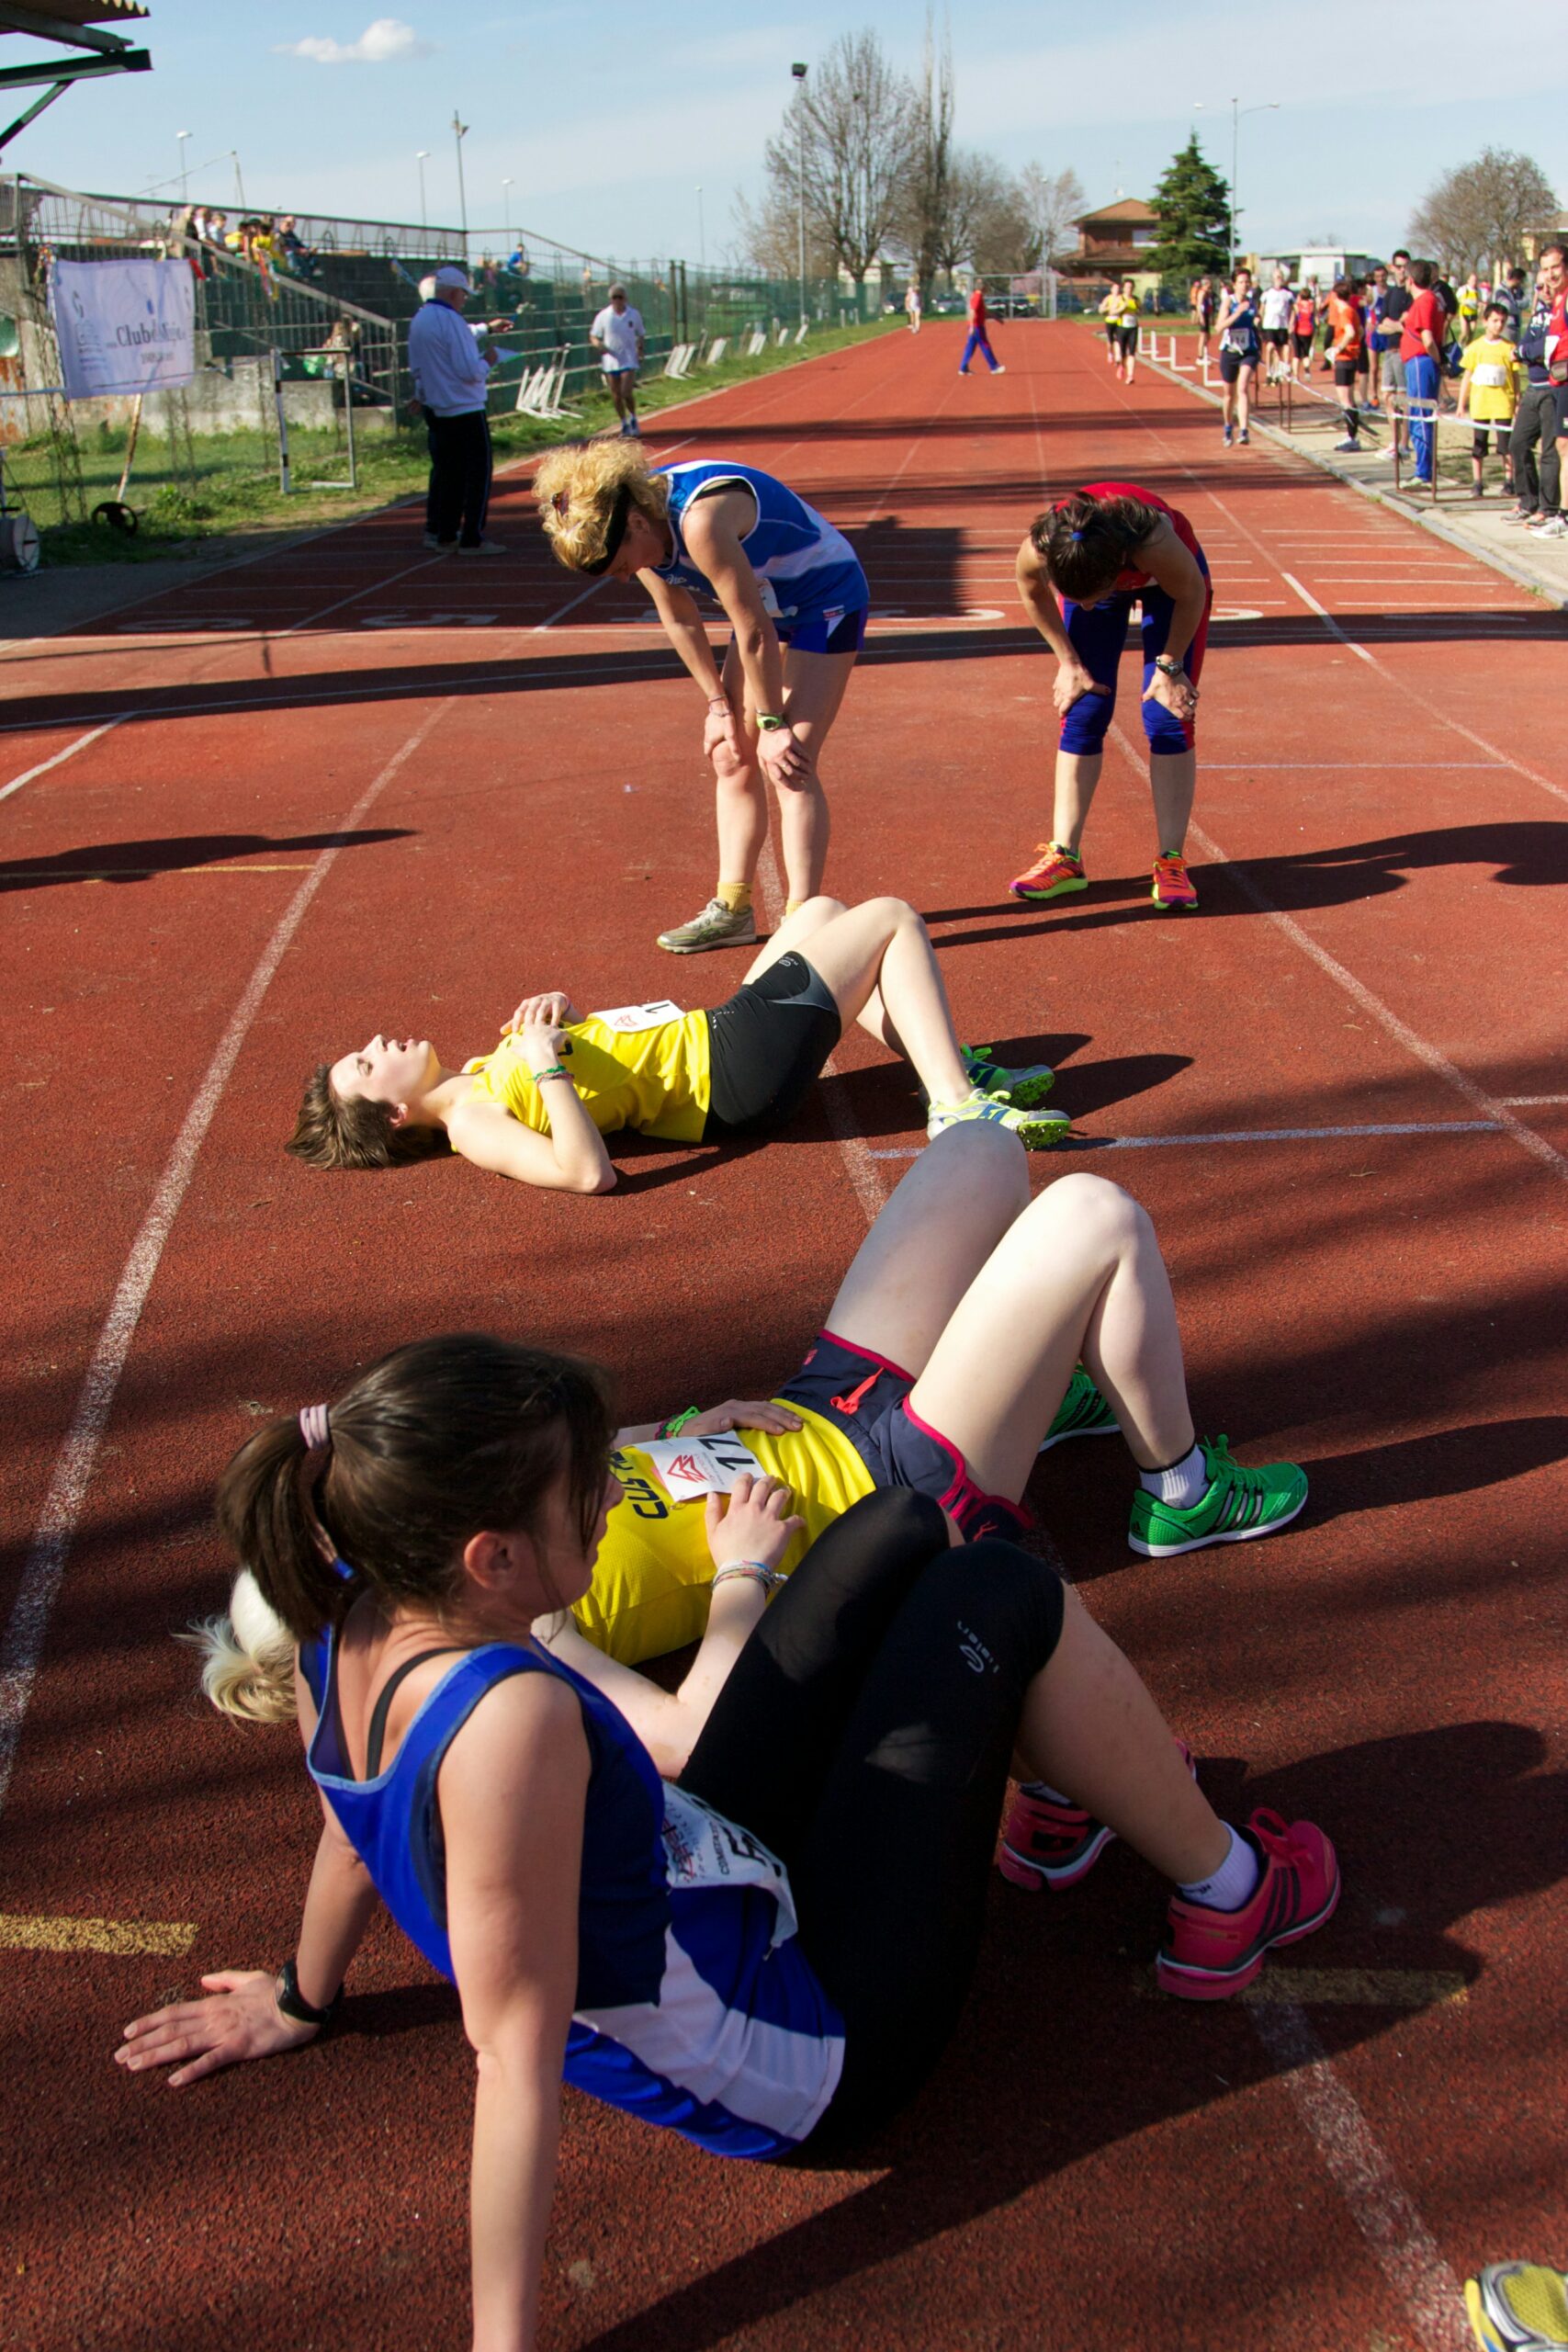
[850, 137]
[1479, 214]
[1053, 202]
[768, 236]
[920, 217]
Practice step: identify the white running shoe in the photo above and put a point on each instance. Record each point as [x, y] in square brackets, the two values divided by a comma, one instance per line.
[716, 926]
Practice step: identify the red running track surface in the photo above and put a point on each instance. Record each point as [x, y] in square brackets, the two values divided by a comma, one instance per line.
[1382, 851]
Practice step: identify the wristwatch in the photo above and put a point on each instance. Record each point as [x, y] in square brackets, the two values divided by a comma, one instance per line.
[1172, 668]
[770, 721]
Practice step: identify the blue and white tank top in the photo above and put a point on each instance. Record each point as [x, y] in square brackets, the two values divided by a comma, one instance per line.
[806, 569]
[696, 2006]
[1241, 336]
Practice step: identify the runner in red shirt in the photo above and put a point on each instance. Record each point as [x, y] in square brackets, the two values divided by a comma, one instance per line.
[1086, 563]
[1347, 341]
[979, 336]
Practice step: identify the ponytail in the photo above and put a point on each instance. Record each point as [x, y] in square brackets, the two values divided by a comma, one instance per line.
[1085, 541]
[264, 1516]
[247, 1658]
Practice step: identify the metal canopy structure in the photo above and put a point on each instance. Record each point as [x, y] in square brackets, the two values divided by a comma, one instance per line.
[71, 25]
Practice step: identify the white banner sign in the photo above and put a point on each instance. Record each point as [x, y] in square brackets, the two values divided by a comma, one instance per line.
[123, 326]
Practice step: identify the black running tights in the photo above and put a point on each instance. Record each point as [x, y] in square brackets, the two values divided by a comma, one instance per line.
[865, 1735]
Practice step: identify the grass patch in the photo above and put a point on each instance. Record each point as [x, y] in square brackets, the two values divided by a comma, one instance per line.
[190, 498]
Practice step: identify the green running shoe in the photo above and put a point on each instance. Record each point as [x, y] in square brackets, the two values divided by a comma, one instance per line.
[1036, 1130]
[1083, 1412]
[1021, 1087]
[1234, 1506]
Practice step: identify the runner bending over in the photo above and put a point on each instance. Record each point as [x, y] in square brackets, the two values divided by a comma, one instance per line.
[1099, 551]
[771, 1949]
[539, 1106]
[1241, 347]
[796, 600]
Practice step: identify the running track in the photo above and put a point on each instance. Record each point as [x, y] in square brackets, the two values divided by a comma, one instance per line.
[348, 785]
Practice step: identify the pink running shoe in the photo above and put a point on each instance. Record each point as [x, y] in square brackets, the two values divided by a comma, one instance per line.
[1208, 1954]
[1172, 884]
[1048, 1843]
[1055, 872]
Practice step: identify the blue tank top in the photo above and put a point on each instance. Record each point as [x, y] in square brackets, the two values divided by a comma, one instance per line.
[696, 2006]
[807, 570]
[1241, 336]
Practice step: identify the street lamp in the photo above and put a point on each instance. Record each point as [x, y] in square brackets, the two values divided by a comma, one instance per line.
[799, 73]
[184, 158]
[459, 132]
[506, 205]
[1238, 110]
[421, 159]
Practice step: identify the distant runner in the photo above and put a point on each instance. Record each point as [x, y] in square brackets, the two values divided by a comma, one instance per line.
[979, 335]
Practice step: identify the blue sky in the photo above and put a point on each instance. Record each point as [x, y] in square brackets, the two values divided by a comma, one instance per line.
[607, 113]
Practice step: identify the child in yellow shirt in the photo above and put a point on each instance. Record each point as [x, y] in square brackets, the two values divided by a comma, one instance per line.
[1489, 394]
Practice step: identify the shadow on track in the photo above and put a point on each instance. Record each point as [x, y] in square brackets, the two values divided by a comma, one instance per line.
[175, 853]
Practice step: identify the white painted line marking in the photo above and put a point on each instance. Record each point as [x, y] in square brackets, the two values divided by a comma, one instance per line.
[1405, 2249]
[1527, 1101]
[1350, 767]
[60, 758]
[22, 1647]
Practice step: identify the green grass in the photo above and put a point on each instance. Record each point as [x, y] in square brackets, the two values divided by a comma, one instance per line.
[224, 487]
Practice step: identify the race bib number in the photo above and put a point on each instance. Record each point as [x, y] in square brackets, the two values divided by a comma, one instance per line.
[702, 1848]
[689, 1467]
[628, 1019]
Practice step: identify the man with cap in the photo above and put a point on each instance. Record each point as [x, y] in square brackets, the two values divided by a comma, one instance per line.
[451, 377]
[617, 332]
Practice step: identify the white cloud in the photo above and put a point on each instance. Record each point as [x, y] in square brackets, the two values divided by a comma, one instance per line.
[388, 39]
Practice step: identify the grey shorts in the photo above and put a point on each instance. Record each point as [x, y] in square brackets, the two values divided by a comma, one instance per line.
[1390, 370]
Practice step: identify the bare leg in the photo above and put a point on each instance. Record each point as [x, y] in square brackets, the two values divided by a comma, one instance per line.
[1078, 1275]
[929, 1242]
[1244, 399]
[813, 688]
[795, 929]
[1173, 779]
[740, 798]
[879, 958]
[1078, 774]
[1091, 1729]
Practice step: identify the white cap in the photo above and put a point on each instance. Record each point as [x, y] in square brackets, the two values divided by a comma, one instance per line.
[450, 275]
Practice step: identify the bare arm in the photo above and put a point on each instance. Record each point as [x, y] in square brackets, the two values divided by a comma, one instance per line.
[1072, 680]
[571, 1158]
[1171, 565]
[685, 627]
[511, 1791]
[713, 529]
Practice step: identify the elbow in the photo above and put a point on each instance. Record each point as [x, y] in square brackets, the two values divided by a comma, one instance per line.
[597, 1180]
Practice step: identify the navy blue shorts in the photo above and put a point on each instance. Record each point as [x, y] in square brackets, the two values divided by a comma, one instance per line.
[868, 1397]
[828, 632]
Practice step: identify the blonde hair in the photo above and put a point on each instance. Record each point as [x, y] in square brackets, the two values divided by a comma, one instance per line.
[247, 1658]
[576, 489]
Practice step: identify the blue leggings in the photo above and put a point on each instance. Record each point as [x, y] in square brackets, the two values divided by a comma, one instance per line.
[978, 341]
[1097, 634]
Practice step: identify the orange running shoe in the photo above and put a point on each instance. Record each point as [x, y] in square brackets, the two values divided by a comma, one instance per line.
[1053, 872]
[1172, 883]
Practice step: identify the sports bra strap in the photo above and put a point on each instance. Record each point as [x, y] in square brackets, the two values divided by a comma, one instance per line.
[378, 1731]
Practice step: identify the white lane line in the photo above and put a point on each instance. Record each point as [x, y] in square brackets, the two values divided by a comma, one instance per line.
[60, 758]
[1348, 767]
[22, 1647]
[1258, 1135]
[1528, 1101]
[1402, 2245]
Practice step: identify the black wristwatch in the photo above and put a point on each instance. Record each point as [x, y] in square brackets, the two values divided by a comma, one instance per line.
[1169, 663]
[293, 2004]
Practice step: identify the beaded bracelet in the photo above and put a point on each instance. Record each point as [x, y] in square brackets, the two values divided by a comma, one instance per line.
[677, 1421]
[541, 1075]
[771, 1579]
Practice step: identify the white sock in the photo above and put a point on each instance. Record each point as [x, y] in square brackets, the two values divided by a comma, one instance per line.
[1230, 1886]
[1181, 1484]
[1052, 1796]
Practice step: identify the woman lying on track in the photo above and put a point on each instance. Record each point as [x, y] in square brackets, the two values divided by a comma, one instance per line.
[1086, 563]
[792, 591]
[775, 1947]
[539, 1106]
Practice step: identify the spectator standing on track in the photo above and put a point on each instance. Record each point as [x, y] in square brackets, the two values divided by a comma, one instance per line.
[979, 334]
[1241, 347]
[1396, 301]
[617, 332]
[1347, 341]
[1421, 351]
[1085, 563]
[1542, 418]
[1276, 307]
[451, 383]
[1488, 392]
[798, 603]
[912, 306]
[1375, 296]
[1304, 327]
[1511, 294]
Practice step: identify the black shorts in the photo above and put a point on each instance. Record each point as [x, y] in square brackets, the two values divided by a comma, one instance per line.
[1346, 372]
[1126, 340]
[1233, 362]
[1277, 337]
[767, 1044]
[1301, 343]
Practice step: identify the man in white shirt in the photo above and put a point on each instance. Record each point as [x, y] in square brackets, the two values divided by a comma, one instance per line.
[617, 334]
[451, 379]
[1278, 301]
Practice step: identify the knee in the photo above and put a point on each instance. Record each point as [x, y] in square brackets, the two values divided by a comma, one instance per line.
[1085, 728]
[822, 909]
[1095, 1213]
[732, 767]
[894, 914]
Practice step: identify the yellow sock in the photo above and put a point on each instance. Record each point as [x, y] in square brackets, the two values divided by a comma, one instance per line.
[736, 895]
[793, 907]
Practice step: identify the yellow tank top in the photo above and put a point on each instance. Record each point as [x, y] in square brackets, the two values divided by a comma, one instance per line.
[651, 1580]
[656, 1081]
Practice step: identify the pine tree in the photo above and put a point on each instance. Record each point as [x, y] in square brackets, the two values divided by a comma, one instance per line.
[1192, 202]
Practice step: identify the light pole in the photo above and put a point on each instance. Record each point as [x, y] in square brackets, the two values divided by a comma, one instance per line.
[184, 158]
[799, 73]
[1238, 110]
[459, 132]
[421, 159]
[702, 240]
[506, 206]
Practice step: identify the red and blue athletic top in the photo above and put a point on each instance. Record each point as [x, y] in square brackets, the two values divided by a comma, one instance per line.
[1132, 579]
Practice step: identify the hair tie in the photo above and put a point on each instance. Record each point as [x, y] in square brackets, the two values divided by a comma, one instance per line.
[1078, 535]
[315, 1428]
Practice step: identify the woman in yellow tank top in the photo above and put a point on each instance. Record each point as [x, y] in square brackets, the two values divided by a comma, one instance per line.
[539, 1107]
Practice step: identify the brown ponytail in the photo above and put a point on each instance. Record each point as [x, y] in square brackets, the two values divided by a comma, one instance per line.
[438, 1440]
[1084, 542]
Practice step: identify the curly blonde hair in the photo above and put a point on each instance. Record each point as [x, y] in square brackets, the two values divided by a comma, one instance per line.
[577, 488]
[247, 1658]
